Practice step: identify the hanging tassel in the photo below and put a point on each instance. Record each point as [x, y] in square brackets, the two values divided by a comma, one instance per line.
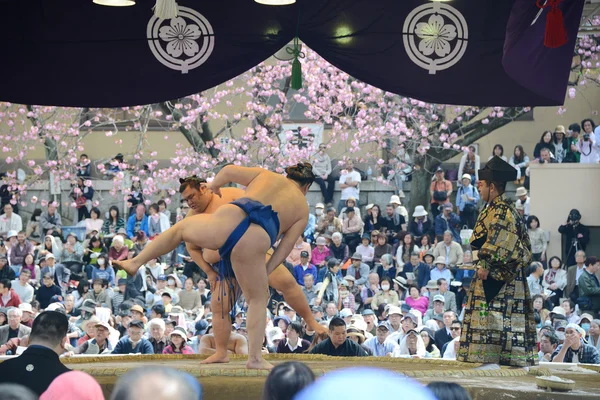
[166, 9]
[296, 65]
[556, 34]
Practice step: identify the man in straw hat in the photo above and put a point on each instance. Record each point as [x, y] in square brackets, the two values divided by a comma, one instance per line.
[499, 325]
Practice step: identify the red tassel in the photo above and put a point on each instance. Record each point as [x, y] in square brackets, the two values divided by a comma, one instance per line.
[556, 34]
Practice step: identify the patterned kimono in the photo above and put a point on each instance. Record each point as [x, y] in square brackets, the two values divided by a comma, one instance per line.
[499, 324]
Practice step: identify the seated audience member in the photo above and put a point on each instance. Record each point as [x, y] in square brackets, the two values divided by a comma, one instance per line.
[338, 248]
[99, 344]
[419, 269]
[412, 345]
[178, 345]
[365, 250]
[449, 390]
[548, 344]
[157, 338]
[294, 258]
[304, 268]
[337, 344]
[134, 342]
[358, 269]
[237, 344]
[286, 380]
[589, 286]
[320, 253]
[14, 329]
[437, 310]
[448, 221]
[156, 382]
[420, 224]
[294, 342]
[99, 294]
[352, 227]
[449, 249]
[441, 271]
[574, 349]
[416, 301]
[386, 295]
[39, 365]
[536, 270]
[22, 287]
[47, 290]
[431, 350]
[386, 268]
[444, 334]
[379, 345]
[449, 296]
[8, 296]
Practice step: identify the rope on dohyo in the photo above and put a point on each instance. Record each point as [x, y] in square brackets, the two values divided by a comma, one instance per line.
[296, 66]
[166, 9]
[556, 35]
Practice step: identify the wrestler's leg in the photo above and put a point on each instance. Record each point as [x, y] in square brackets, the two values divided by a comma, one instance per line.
[208, 231]
[221, 307]
[281, 279]
[248, 262]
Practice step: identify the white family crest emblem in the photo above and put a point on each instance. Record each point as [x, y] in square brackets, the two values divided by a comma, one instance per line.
[435, 36]
[181, 43]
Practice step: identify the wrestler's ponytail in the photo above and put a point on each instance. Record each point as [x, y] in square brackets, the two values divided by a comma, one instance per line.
[301, 173]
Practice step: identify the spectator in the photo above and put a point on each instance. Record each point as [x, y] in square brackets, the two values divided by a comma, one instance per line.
[393, 223]
[14, 328]
[293, 343]
[560, 145]
[576, 235]
[137, 222]
[350, 202]
[406, 247]
[50, 222]
[441, 271]
[300, 246]
[94, 223]
[445, 334]
[544, 143]
[60, 274]
[366, 250]
[158, 383]
[520, 161]
[92, 253]
[72, 255]
[304, 268]
[99, 294]
[586, 145]
[346, 298]
[135, 198]
[374, 221]
[74, 385]
[352, 227]
[358, 269]
[555, 279]
[33, 230]
[6, 271]
[39, 365]
[536, 270]
[200, 329]
[387, 268]
[134, 343]
[320, 253]
[322, 169]
[337, 344]
[84, 167]
[440, 192]
[330, 281]
[449, 297]
[498, 151]
[574, 349]
[47, 290]
[589, 286]
[382, 247]
[19, 250]
[157, 222]
[178, 342]
[113, 223]
[467, 198]
[448, 221]
[420, 270]
[570, 312]
[99, 344]
[8, 296]
[449, 249]
[386, 295]
[470, 164]
[329, 223]
[51, 245]
[379, 345]
[420, 225]
[349, 183]
[370, 289]
[21, 286]
[286, 380]
[118, 251]
[573, 154]
[308, 289]
[538, 238]
[573, 274]
[83, 195]
[411, 346]
[9, 221]
[594, 333]
[416, 301]
[157, 339]
[189, 299]
[450, 348]
[399, 208]
[338, 248]
[548, 344]
[439, 305]
[431, 350]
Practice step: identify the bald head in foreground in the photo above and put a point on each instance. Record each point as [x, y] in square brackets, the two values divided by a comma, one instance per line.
[157, 383]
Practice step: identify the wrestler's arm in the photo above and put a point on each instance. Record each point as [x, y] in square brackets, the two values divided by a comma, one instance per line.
[286, 244]
[235, 174]
[241, 345]
[205, 346]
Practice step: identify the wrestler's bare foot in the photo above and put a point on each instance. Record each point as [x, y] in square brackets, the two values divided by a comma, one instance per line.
[129, 266]
[216, 359]
[259, 364]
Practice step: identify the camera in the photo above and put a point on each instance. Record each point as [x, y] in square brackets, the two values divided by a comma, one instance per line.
[586, 137]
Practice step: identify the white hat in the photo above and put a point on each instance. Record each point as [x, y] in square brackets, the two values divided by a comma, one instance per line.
[440, 260]
[49, 256]
[521, 191]
[11, 233]
[345, 313]
[559, 310]
[275, 333]
[439, 297]
[179, 331]
[394, 310]
[369, 206]
[466, 176]
[419, 212]
[25, 307]
[320, 205]
[395, 200]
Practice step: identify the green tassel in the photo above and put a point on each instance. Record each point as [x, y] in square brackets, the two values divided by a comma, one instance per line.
[296, 74]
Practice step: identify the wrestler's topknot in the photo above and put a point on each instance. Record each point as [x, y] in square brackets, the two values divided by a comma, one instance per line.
[301, 173]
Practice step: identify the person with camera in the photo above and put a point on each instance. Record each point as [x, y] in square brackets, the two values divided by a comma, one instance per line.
[587, 146]
[440, 191]
[577, 235]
